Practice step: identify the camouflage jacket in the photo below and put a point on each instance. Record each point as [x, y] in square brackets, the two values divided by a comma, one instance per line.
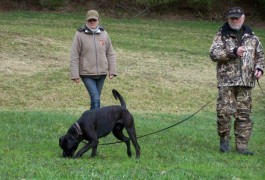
[233, 70]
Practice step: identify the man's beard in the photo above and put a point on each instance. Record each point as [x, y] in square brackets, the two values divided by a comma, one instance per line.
[234, 26]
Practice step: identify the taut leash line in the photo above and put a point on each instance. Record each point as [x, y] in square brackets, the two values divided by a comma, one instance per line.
[260, 87]
[166, 127]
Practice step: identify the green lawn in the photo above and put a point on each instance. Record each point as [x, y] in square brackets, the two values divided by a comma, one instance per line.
[165, 75]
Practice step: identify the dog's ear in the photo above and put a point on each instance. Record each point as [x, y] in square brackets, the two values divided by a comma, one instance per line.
[61, 141]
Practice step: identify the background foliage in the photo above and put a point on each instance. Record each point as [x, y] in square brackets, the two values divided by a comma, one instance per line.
[207, 9]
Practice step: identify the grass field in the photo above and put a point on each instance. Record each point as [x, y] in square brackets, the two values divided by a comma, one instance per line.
[165, 75]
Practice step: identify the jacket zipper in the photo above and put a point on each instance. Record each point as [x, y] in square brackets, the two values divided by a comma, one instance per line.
[96, 53]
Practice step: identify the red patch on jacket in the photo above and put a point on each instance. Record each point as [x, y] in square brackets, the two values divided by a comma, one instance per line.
[101, 42]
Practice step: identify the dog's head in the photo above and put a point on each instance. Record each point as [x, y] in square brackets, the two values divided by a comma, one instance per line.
[69, 145]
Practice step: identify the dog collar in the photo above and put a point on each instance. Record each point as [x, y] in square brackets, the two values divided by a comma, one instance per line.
[78, 129]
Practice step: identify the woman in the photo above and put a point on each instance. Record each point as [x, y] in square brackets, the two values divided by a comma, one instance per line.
[92, 57]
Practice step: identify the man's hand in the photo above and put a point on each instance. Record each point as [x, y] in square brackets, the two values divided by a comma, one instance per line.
[258, 73]
[240, 51]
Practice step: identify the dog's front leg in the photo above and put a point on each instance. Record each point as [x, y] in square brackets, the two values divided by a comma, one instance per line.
[94, 151]
[86, 147]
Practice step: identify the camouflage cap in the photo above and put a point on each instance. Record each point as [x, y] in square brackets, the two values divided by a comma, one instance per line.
[92, 14]
[235, 12]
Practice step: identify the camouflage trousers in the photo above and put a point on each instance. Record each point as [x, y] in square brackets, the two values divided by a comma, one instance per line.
[235, 101]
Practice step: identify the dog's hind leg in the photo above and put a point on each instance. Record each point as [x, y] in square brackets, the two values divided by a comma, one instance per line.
[132, 134]
[117, 131]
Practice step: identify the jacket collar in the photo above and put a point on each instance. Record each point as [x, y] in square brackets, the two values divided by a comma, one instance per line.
[226, 30]
[86, 30]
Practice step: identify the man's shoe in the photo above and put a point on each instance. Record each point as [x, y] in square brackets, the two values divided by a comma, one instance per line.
[245, 152]
[224, 145]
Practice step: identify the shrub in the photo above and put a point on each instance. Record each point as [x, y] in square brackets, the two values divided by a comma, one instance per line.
[155, 2]
[261, 4]
[51, 4]
[201, 5]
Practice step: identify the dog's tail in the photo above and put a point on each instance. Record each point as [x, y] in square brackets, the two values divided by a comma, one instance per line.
[116, 94]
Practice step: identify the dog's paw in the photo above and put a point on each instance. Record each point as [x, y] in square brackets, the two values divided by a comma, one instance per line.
[93, 155]
[129, 153]
[76, 156]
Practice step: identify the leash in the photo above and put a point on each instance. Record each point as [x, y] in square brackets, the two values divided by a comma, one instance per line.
[166, 127]
[260, 87]
[177, 122]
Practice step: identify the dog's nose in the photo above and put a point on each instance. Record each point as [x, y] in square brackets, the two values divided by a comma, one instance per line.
[67, 155]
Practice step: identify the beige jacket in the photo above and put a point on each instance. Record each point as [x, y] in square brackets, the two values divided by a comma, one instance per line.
[92, 54]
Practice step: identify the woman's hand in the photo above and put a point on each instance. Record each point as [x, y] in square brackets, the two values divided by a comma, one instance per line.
[111, 76]
[77, 80]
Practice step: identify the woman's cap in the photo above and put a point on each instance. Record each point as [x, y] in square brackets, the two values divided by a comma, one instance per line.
[92, 14]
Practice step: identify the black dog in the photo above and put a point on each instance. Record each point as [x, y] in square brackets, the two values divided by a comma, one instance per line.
[98, 123]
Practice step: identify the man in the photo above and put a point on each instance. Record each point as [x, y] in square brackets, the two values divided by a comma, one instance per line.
[240, 61]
